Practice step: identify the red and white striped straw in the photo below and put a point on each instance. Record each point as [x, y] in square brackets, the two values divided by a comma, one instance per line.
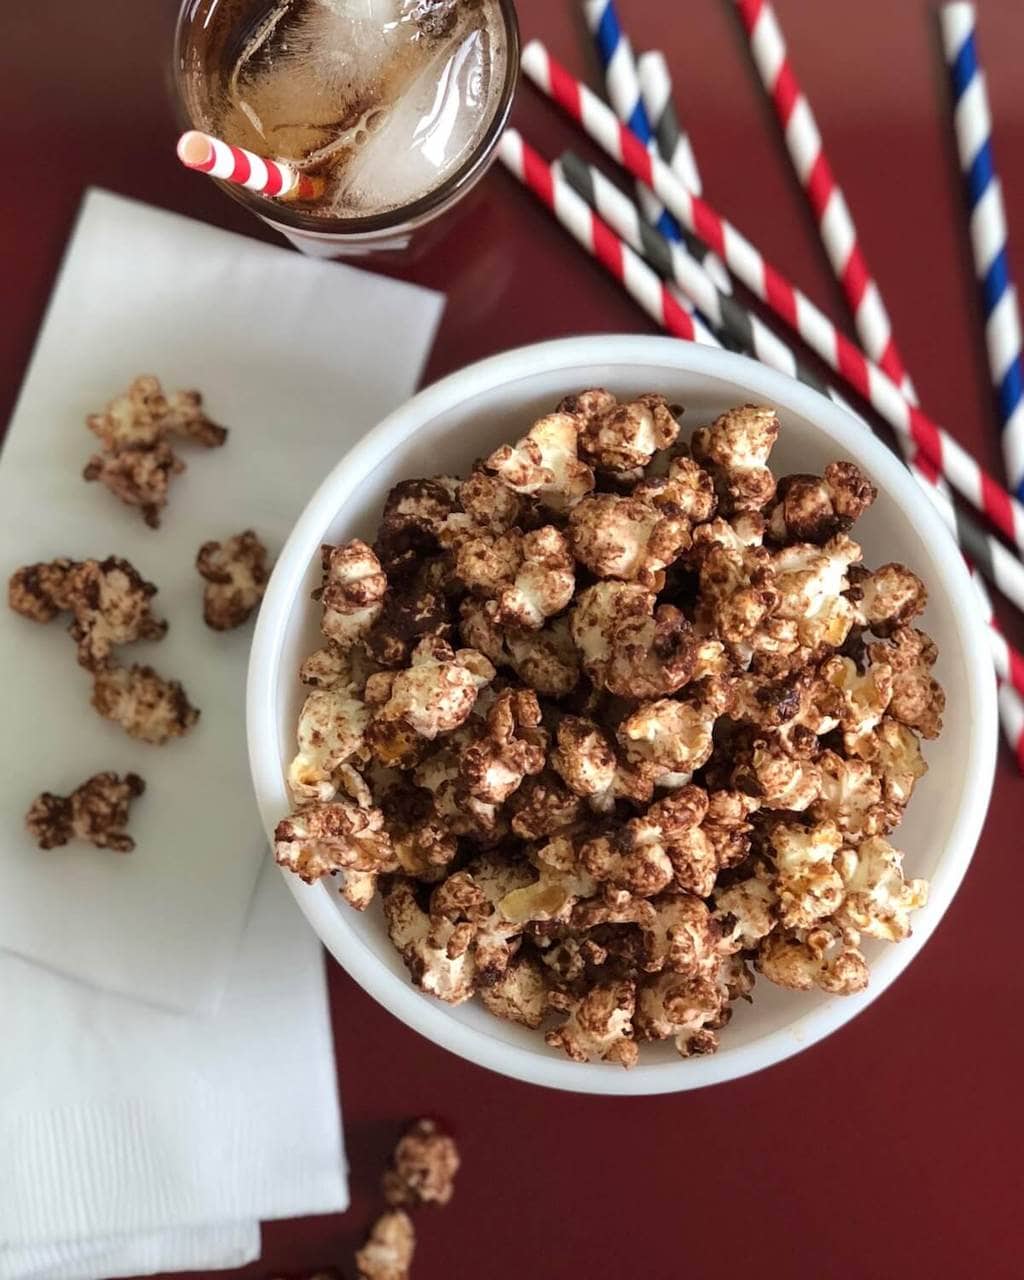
[835, 223]
[640, 281]
[219, 159]
[952, 461]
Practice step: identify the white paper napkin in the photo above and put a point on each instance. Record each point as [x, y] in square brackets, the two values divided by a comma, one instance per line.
[135, 1140]
[298, 358]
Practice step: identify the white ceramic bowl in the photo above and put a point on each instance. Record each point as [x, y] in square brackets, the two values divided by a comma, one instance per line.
[465, 416]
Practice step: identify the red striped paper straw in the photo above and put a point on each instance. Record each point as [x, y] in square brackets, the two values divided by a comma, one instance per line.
[835, 222]
[220, 159]
[640, 281]
[772, 287]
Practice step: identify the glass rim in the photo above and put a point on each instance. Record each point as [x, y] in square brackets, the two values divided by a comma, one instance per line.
[281, 213]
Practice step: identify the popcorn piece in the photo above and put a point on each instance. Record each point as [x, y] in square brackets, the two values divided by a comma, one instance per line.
[690, 1010]
[143, 416]
[414, 610]
[878, 899]
[562, 882]
[389, 1248]
[810, 581]
[185, 418]
[489, 503]
[599, 1025]
[889, 598]
[352, 593]
[683, 937]
[746, 910]
[414, 515]
[236, 577]
[824, 957]
[38, 591]
[110, 601]
[144, 704]
[530, 576]
[776, 777]
[520, 994]
[473, 900]
[737, 590]
[96, 811]
[894, 753]
[510, 748]
[816, 508]
[618, 537]
[423, 946]
[646, 854]
[139, 477]
[134, 419]
[545, 464]
[862, 699]
[423, 1167]
[917, 697]
[669, 740]
[686, 493]
[434, 695]
[809, 887]
[322, 839]
[851, 798]
[332, 730]
[335, 668]
[546, 659]
[586, 760]
[621, 437]
[735, 449]
[543, 806]
[423, 844]
[456, 808]
[630, 647]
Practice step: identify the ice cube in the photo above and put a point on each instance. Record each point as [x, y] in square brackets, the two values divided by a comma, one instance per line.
[426, 133]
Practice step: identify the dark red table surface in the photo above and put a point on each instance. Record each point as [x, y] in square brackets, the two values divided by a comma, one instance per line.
[894, 1147]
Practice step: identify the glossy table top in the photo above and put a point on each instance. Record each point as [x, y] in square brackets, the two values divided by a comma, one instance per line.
[892, 1148]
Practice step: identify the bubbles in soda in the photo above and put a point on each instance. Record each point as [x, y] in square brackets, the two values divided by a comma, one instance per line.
[385, 99]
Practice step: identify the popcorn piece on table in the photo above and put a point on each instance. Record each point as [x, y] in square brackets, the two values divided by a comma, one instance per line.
[143, 416]
[389, 1248]
[423, 1167]
[143, 703]
[140, 477]
[236, 577]
[97, 811]
[109, 601]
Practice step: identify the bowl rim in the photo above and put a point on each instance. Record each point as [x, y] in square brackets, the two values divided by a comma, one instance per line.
[432, 1018]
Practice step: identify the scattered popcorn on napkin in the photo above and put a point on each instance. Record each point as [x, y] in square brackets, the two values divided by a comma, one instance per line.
[298, 359]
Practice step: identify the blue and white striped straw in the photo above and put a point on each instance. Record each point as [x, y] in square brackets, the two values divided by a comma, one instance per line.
[989, 241]
[623, 87]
